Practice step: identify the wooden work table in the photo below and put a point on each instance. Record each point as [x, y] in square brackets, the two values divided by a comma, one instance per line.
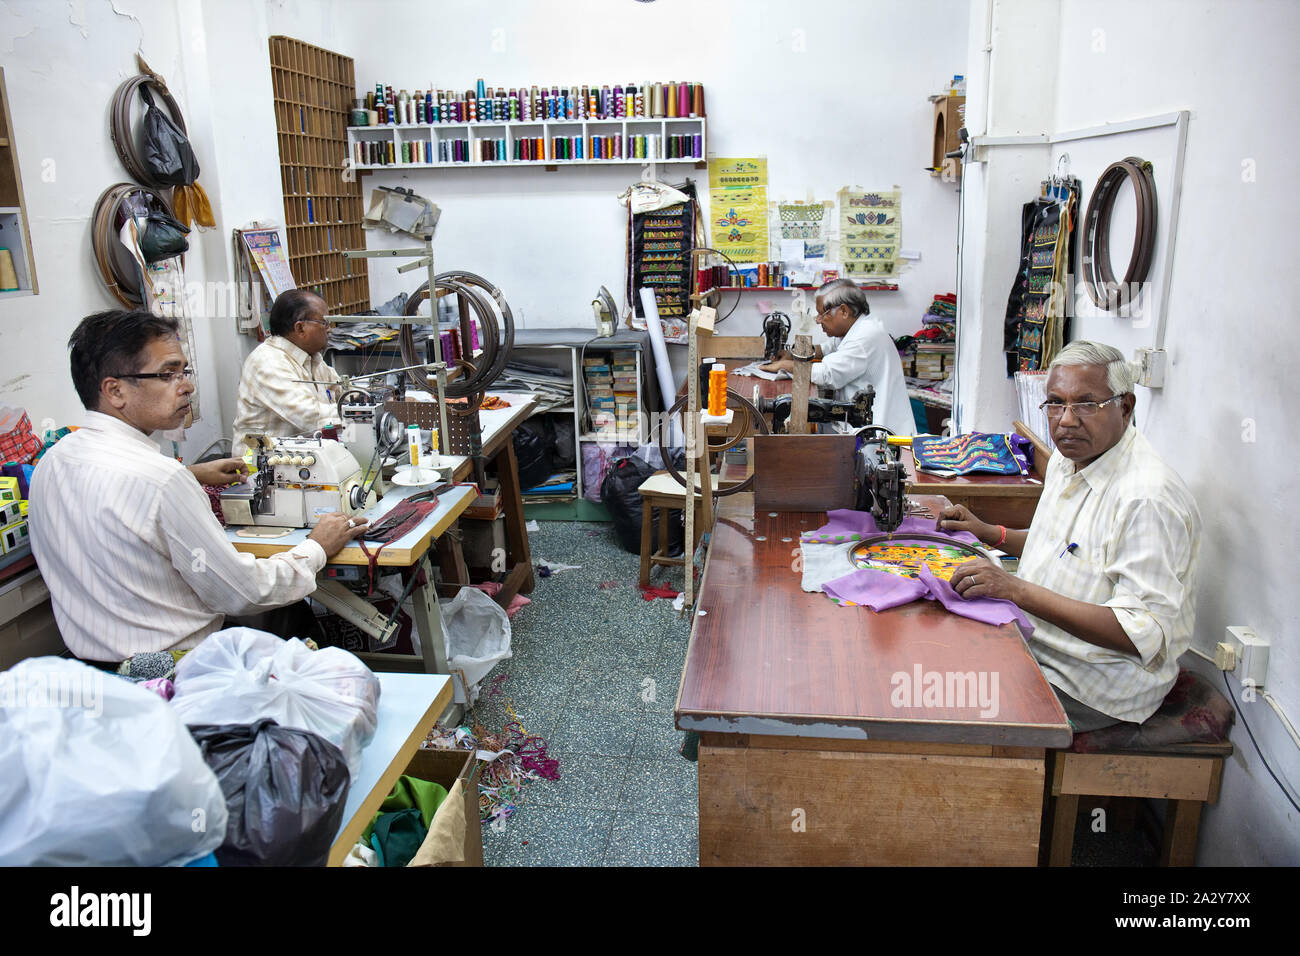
[805, 757]
[998, 499]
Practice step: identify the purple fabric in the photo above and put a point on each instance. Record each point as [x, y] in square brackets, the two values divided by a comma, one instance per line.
[989, 610]
[843, 524]
[1023, 449]
[161, 686]
[880, 590]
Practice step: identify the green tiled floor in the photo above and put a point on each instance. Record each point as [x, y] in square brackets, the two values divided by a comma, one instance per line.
[595, 671]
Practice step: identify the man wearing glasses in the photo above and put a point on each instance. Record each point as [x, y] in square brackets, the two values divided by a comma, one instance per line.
[1108, 566]
[274, 397]
[124, 536]
[861, 354]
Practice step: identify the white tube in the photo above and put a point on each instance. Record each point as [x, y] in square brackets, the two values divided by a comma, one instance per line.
[662, 366]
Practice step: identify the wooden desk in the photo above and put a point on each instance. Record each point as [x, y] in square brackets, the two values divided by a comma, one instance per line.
[999, 499]
[499, 449]
[409, 704]
[412, 550]
[805, 758]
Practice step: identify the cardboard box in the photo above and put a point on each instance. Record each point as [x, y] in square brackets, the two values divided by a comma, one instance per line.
[9, 489]
[11, 511]
[445, 767]
[13, 537]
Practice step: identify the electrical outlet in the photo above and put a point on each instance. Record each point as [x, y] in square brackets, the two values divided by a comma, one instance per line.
[1250, 653]
[1151, 363]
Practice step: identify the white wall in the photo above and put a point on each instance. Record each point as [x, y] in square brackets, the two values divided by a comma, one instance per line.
[803, 86]
[1221, 419]
[63, 63]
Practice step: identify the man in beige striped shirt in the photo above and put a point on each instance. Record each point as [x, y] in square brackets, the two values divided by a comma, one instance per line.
[276, 397]
[124, 536]
[1108, 565]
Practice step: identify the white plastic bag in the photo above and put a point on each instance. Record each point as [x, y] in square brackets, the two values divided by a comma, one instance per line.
[478, 635]
[97, 771]
[240, 675]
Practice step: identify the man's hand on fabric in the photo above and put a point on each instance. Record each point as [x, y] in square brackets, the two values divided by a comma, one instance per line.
[335, 530]
[979, 579]
[224, 471]
[780, 365]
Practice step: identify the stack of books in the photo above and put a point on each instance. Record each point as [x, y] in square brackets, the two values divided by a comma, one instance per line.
[628, 418]
[934, 361]
[599, 378]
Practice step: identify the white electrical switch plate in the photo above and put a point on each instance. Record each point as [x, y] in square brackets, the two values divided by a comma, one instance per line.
[1251, 654]
[1152, 367]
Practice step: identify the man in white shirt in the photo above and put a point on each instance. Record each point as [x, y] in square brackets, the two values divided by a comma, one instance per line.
[274, 397]
[125, 536]
[861, 354]
[1108, 565]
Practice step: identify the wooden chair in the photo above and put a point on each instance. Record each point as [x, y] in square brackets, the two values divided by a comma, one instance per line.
[1175, 755]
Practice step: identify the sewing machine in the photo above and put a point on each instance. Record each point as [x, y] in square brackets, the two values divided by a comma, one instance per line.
[857, 412]
[297, 480]
[373, 436]
[880, 478]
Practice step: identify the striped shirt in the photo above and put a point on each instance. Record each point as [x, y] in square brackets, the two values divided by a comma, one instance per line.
[273, 399]
[132, 554]
[1138, 534]
[867, 356]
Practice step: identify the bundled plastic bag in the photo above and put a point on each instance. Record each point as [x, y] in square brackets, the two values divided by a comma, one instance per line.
[478, 635]
[285, 790]
[534, 452]
[167, 151]
[241, 675]
[97, 771]
[618, 493]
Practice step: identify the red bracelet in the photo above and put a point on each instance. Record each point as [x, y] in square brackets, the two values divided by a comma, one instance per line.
[998, 543]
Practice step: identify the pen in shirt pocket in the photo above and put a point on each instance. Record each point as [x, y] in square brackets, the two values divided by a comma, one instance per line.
[1069, 548]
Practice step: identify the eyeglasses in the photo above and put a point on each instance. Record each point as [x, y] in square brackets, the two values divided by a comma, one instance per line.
[169, 377]
[316, 322]
[1081, 409]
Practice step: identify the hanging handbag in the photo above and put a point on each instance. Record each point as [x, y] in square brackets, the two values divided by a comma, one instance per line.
[164, 236]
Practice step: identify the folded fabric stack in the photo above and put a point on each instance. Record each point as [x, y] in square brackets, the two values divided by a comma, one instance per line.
[941, 317]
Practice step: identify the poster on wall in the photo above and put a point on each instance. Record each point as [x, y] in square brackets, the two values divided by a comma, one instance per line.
[738, 208]
[802, 229]
[871, 225]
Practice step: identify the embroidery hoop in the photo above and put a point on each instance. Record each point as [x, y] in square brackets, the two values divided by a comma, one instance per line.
[858, 551]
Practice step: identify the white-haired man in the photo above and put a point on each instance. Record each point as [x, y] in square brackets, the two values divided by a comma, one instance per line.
[861, 354]
[1108, 565]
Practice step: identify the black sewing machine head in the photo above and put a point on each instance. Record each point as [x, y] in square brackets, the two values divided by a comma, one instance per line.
[857, 412]
[880, 479]
[776, 330]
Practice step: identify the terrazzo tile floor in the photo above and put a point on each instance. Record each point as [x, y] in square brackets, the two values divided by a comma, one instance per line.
[594, 671]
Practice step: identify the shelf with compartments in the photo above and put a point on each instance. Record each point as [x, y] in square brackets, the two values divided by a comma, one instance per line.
[543, 143]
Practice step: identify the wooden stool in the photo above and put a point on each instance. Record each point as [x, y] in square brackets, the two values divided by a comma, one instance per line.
[1175, 755]
[662, 491]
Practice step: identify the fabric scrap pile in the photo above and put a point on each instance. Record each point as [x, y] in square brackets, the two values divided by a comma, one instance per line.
[510, 759]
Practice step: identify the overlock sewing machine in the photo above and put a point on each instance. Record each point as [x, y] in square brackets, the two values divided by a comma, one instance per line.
[296, 481]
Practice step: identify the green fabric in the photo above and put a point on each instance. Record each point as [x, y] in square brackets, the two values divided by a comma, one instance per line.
[410, 793]
[396, 837]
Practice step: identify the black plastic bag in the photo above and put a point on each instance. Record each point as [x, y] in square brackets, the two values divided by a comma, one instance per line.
[285, 789]
[534, 453]
[164, 237]
[619, 495]
[167, 151]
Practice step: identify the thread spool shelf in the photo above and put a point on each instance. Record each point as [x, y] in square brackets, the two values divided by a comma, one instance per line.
[516, 130]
